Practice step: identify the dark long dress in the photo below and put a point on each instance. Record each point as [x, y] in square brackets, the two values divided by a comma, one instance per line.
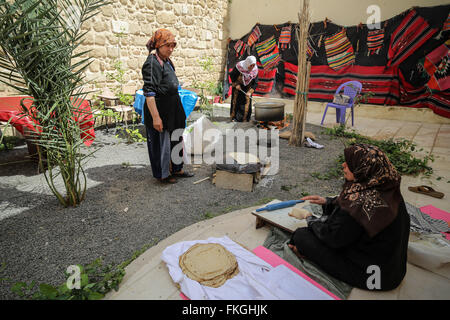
[241, 105]
[343, 249]
[161, 82]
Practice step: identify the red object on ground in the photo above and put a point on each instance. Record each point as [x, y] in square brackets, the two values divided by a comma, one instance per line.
[10, 108]
[437, 213]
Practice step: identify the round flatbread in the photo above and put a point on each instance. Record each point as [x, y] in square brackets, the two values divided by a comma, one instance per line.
[209, 263]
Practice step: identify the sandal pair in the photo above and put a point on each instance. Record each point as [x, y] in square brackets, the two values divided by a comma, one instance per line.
[429, 191]
[183, 175]
[168, 180]
[171, 179]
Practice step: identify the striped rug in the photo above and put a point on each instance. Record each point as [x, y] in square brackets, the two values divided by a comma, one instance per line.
[266, 79]
[446, 25]
[437, 65]
[375, 40]
[290, 78]
[382, 82]
[339, 51]
[239, 47]
[254, 36]
[268, 53]
[310, 51]
[285, 37]
[409, 36]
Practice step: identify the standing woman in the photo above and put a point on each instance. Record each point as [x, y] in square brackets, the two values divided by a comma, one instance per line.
[244, 79]
[163, 111]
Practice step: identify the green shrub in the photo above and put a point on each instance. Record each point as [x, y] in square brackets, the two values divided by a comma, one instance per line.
[96, 281]
[399, 152]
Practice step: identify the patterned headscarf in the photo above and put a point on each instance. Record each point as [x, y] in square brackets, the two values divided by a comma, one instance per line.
[247, 75]
[373, 198]
[160, 37]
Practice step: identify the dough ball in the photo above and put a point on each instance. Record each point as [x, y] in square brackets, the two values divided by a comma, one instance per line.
[300, 213]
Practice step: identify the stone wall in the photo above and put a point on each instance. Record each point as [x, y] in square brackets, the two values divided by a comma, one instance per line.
[200, 27]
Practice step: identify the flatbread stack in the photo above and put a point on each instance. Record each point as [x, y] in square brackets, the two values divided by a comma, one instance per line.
[209, 263]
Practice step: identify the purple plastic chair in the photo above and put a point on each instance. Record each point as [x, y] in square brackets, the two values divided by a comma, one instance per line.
[351, 89]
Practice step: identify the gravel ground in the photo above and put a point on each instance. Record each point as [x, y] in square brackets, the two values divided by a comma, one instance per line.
[125, 207]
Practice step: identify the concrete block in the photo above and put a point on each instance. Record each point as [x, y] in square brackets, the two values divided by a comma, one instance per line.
[234, 181]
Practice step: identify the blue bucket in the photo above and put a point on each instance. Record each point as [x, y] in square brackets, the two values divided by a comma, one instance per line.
[138, 105]
[188, 100]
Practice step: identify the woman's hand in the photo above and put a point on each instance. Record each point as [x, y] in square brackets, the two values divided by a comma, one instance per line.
[249, 94]
[157, 124]
[238, 86]
[315, 199]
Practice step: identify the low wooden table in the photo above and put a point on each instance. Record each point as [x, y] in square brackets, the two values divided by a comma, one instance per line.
[280, 218]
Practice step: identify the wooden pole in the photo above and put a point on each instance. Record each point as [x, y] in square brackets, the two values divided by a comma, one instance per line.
[303, 74]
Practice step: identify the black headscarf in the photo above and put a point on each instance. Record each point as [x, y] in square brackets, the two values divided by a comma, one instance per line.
[373, 198]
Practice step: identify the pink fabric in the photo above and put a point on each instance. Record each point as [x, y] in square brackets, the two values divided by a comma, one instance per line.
[437, 213]
[183, 296]
[274, 260]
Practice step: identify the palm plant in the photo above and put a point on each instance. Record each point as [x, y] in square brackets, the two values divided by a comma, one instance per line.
[40, 57]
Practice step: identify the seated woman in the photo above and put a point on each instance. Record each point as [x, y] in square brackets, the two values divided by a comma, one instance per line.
[244, 80]
[366, 225]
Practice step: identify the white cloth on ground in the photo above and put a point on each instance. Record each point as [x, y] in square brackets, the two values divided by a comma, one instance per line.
[287, 285]
[256, 280]
[245, 285]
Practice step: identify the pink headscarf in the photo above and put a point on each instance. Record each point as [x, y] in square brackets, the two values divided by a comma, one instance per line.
[247, 75]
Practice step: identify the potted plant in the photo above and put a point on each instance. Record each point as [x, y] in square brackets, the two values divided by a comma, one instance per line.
[218, 93]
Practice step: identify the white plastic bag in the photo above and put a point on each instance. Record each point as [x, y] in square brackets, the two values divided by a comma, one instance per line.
[195, 140]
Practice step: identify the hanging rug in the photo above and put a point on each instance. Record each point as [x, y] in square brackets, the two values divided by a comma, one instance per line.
[339, 51]
[268, 53]
[375, 40]
[285, 37]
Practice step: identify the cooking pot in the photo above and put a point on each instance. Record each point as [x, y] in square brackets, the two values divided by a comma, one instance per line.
[269, 111]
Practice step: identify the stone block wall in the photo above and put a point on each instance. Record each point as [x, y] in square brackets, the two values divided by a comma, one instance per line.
[200, 27]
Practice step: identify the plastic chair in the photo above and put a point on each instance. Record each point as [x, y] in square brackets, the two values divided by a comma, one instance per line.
[351, 89]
